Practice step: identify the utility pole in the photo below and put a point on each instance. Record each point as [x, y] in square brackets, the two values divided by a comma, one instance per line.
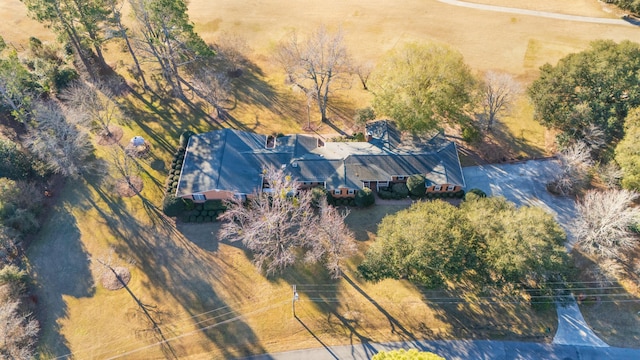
[293, 302]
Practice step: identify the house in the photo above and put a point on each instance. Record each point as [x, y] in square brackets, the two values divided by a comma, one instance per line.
[225, 163]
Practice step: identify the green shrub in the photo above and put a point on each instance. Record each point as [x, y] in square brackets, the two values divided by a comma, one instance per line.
[319, 193]
[416, 185]
[22, 220]
[189, 204]
[14, 164]
[363, 115]
[208, 219]
[211, 212]
[364, 198]
[200, 219]
[359, 137]
[172, 206]
[470, 134]
[477, 192]
[400, 190]
[197, 212]
[199, 206]
[184, 138]
[460, 194]
[12, 275]
[192, 218]
[214, 205]
[385, 194]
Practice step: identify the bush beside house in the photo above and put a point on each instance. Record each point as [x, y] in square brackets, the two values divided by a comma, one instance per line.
[185, 209]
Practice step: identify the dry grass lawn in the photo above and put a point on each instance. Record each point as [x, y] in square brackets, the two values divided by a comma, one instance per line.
[205, 296]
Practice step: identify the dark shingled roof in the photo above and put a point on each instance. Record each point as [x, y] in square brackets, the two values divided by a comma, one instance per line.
[233, 160]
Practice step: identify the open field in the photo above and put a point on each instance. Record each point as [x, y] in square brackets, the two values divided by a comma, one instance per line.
[186, 280]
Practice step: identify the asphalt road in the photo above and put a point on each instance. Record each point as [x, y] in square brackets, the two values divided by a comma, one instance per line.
[537, 13]
[453, 350]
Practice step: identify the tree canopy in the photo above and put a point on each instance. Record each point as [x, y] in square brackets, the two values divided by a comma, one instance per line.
[281, 226]
[433, 242]
[628, 152]
[402, 354]
[421, 85]
[597, 86]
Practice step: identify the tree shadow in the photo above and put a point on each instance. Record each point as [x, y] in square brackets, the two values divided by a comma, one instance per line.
[321, 293]
[170, 261]
[59, 266]
[606, 305]
[394, 324]
[325, 346]
[162, 119]
[488, 313]
[499, 145]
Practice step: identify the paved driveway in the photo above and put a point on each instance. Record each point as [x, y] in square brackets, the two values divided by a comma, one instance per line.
[524, 184]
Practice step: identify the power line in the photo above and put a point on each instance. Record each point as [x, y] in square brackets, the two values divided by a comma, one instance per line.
[168, 325]
[196, 331]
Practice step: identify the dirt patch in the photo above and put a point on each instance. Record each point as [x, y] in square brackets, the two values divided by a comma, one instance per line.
[113, 137]
[129, 188]
[116, 279]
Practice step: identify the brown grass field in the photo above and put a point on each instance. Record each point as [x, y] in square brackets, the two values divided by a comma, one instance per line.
[204, 297]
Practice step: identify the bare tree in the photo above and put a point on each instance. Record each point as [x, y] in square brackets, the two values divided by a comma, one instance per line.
[499, 92]
[214, 88]
[60, 143]
[575, 162]
[333, 241]
[231, 51]
[315, 64]
[363, 71]
[18, 330]
[594, 137]
[95, 103]
[274, 225]
[127, 168]
[605, 218]
[611, 174]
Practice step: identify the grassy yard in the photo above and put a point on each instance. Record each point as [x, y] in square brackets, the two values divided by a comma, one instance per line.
[205, 297]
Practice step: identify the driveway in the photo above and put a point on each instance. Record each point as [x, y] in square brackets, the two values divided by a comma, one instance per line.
[524, 184]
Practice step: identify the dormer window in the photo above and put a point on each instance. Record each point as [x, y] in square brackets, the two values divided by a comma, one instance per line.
[437, 188]
[451, 187]
[271, 142]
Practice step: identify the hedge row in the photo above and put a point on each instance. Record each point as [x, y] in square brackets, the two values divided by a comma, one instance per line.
[442, 195]
[363, 198]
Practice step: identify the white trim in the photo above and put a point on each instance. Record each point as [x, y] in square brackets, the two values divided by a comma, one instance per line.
[199, 197]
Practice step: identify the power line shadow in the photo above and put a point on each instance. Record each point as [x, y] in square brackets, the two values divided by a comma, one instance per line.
[317, 338]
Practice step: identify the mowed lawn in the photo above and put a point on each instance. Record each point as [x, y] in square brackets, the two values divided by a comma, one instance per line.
[202, 298]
